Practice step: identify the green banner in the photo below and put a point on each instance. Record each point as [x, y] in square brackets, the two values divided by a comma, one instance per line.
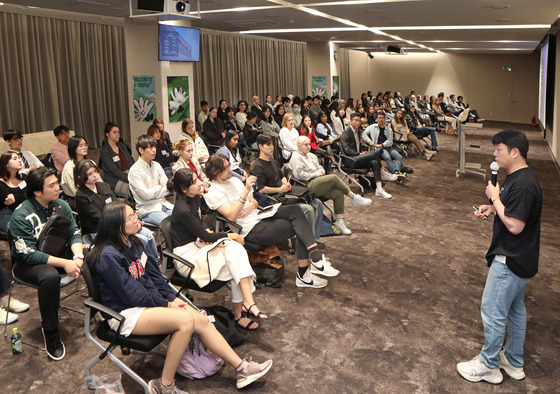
[178, 98]
[144, 98]
[319, 86]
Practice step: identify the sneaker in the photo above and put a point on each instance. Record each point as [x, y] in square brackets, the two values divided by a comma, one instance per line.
[387, 176]
[310, 280]
[514, 372]
[12, 317]
[475, 371]
[252, 372]
[323, 267]
[429, 154]
[359, 201]
[480, 120]
[54, 347]
[155, 387]
[379, 192]
[339, 223]
[15, 306]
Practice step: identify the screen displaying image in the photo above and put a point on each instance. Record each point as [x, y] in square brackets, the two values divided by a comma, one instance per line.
[179, 44]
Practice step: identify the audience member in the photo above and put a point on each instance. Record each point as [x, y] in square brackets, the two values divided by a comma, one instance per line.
[241, 113]
[130, 283]
[164, 150]
[77, 151]
[251, 130]
[115, 161]
[185, 149]
[59, 151]
[279, 114]
[222, 111]
[256, 107]
[13, 187]
[188, 132]
[213, 129]
[6, 310]
[419, 129]
[268, 124]
[402, 133]
[148, 184]
[379, 137]
[203, 114]
[231, 151]
[308, 130]
[29, 161]
[288, 136]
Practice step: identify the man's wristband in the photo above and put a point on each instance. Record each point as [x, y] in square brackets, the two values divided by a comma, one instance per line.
[494, 199]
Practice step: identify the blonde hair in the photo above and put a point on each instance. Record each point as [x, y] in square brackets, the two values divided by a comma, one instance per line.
[286, 118]
[184, 125]
[182, 144]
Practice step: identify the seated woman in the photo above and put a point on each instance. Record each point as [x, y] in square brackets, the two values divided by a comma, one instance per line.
[235, 201]
[241, 113]
[130, 282]
[193, 241]
[371, 115]
[440, 114]
[222, 111]
[200, 151]
[92, 196]
[279, 113]
[288, 136]
[305, 168]
[251, 130]
[268, 124]
[230, 123]
[402, 133]
[12, 187]
[418, 128]
[115, 161]
[164, 149]
[77, 150]
[231, 151]
[256, 107]
[186, 160]
[213, 128]
[339, 121]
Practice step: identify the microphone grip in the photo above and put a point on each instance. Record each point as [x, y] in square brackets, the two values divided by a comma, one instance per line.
[494, 178]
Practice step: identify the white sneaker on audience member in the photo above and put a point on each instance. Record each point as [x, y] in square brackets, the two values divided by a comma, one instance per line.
[387, 176]
[514, 372]
[475, 371]
[429, 154]
[339, 223]
[310, 280]
[359, 201]
[323, 267]
[15, 305]
[12, 317]
[379, 192]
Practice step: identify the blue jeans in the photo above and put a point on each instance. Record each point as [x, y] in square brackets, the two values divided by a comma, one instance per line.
[424, 131]
[389, 156]
[503, 308]
[154, 218]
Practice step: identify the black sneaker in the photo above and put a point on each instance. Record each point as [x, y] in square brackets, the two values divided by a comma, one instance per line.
[53, 345]
[321, 245]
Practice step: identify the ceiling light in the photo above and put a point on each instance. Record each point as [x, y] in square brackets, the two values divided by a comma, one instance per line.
[270, 31]
[471, 27]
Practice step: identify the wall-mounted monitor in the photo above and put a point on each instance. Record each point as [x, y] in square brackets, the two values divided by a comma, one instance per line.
[179, 43]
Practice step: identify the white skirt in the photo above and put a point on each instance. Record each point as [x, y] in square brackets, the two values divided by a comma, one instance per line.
[131, 318]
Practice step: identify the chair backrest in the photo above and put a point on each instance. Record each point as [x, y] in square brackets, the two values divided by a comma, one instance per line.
[165, 227]
[87, 274]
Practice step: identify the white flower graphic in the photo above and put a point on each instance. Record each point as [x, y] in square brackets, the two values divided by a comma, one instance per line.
[178, 97]
[142, 109]
[318, 92]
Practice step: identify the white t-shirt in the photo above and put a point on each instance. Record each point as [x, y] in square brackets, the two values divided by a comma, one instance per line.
[220, 194]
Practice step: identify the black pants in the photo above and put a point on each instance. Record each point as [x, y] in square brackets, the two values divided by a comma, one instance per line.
[47, 278]
[372, 161]
[5, 282]
[288, 221]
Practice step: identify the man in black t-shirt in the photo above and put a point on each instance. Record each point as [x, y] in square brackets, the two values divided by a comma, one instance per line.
[513, 258]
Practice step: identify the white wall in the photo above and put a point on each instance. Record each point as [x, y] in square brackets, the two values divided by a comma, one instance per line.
[496, 94]
[552, 134]
[318, 63]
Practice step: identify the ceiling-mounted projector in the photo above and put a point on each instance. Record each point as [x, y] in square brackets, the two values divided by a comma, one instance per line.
[392, 49]
[180, 7]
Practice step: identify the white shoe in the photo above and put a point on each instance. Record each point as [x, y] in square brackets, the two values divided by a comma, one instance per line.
[429, 154]
[514, 372]
[379, 192]
[339, 223]
[12, 317]
[475, 371]
[387, 176]
[323, 267]
[310, 280]
[359, 201]
[15, 306]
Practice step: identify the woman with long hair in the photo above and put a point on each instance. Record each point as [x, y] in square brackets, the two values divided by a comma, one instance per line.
[188, 132]
[12, 187]
[130, 282]
[231, 151]
[185, 150]
[268, 124]
[279, 113]
[221, 255]
[402, 133]
[164, 149]
[222, 111]
[339, 121]
[213, 128]
[77, 150]
[115, 160]
[241, 113]
[419, 129]
[288, 136]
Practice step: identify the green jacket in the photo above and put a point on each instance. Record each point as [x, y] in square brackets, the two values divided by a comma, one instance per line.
[26, 224]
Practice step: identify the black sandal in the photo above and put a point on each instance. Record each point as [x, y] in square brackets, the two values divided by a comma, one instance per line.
[258, 315]
[247, 326]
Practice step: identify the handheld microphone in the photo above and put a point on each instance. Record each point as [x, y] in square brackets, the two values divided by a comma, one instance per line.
[494, 167]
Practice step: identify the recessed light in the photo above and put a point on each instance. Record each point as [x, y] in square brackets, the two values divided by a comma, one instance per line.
[497, 7]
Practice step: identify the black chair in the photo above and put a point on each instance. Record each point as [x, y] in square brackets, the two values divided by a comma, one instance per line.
[346, 166]
[185, 283]
[143, 343]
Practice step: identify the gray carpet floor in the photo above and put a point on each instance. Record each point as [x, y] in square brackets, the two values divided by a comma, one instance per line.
[402, 313]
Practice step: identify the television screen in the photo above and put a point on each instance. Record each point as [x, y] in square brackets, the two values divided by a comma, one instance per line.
[179, 43]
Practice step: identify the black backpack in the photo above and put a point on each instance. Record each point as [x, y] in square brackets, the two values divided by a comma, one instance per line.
[268, 275]
[225, 324]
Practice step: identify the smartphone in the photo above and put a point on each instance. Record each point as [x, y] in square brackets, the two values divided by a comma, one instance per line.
[265, 210]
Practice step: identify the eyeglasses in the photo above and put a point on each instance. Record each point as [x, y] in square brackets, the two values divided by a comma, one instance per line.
[132, 217]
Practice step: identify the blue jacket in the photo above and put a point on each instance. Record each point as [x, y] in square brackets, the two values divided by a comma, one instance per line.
[130, 282]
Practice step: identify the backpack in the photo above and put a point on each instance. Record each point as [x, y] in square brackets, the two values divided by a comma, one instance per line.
[271, 275]
[224, 322]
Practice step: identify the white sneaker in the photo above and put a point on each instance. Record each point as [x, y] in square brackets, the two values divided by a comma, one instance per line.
[475, 371]
[310, 280]
[387, 176]
[339, 223]
[429, 154]
[359, 201]
[379, 192]
[323, 267]
[15, 306]
[514, 372]
[12, 317]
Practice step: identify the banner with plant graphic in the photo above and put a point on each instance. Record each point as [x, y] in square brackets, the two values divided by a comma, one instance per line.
[336, 85]
[144, 98]
[319, 85]
[178, 98]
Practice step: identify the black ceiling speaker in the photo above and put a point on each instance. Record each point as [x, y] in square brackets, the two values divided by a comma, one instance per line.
[393, 49]
[151, 5]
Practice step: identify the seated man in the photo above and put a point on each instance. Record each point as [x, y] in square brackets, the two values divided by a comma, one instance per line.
[379, 136]
[29, 161]
[148, 184]
[40, 268]
[203, 114]
[350, 146]
[59, 151]
[235, 201]
[270, 180]
[473, 112]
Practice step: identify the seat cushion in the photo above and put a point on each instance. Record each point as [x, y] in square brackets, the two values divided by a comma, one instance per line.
[144, 343]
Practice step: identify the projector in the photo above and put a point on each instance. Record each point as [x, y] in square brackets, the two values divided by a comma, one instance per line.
[393, 49]
[180, 7]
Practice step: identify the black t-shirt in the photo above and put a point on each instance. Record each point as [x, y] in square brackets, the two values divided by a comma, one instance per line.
[382, 137]
[19, 192]
[522, 197]
[267, 173]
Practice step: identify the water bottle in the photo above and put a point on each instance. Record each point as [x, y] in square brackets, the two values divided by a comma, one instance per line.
[17, 342]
